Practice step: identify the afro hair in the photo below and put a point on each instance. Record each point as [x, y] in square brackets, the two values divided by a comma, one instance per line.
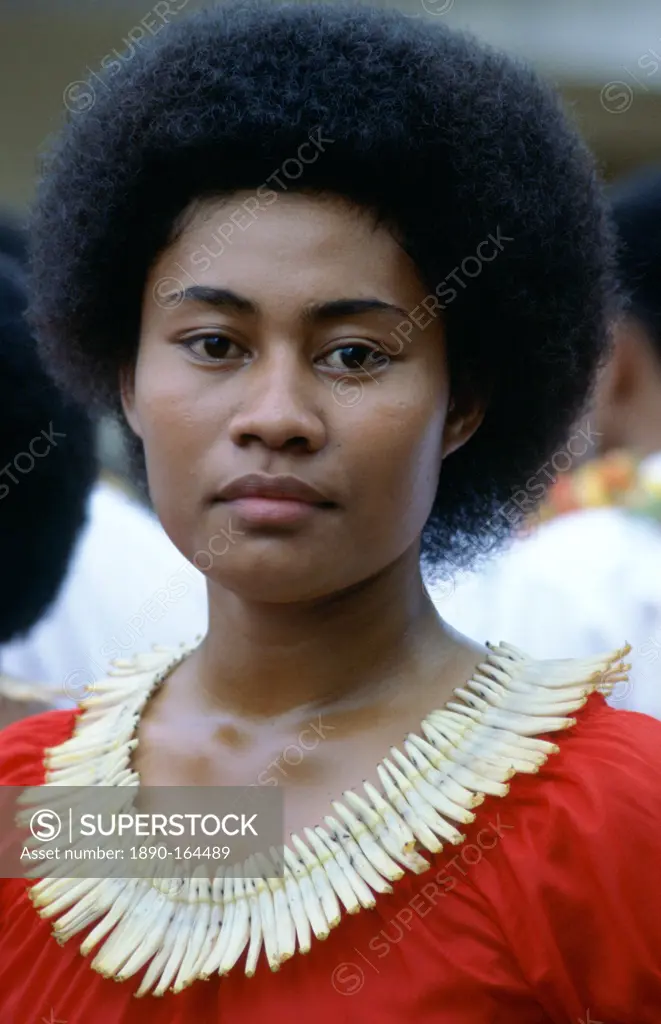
[446, 140]
[637, 214]
[48, 467]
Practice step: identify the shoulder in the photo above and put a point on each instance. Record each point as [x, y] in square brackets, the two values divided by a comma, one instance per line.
[623, 742]
[22, 746]
[596, 798]
[607, 780]
[606, 776]
[573, 876]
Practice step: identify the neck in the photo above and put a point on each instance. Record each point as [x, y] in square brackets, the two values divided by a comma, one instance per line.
[265, 659]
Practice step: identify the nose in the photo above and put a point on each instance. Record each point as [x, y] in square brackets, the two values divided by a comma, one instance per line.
[277, 407]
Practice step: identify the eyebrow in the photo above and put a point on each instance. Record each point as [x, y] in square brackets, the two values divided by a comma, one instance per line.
[334, 309]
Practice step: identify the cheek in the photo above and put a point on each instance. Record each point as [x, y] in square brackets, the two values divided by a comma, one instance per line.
[169, 406]
[174, 442]
[401, 454]
[170, 437]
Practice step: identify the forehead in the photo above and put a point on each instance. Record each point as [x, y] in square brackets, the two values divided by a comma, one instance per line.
[297, 246]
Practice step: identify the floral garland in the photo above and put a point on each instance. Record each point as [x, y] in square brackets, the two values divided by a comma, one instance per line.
[613, 481]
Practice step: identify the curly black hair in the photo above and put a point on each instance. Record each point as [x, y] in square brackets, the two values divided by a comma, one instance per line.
[637, 214]
[47, 468]
[446, 140]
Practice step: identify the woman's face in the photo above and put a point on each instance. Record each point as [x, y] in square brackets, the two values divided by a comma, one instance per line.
[293, 438]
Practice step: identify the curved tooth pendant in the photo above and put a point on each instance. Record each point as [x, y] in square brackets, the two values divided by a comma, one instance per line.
[431, 817]
[320, 881]
[495, 685]
[240, 933]
[436, 767]
[109, 920]
[376, 855]
[255, 942]
[334, 872]
[498, 751]
[215, 924]
[200, 897]
[402, 832]
[132, 922]
[396, 838]
[358, 885]
[409, 813]
[356, 856]
[217, 953]
[178, 952]
[311, 904]
[508, 652]
[432, 795]
[299, 916]
[85, 911]
[152, 941]
[277, 921]
[521, 703]
[160, 961]
[56, 898]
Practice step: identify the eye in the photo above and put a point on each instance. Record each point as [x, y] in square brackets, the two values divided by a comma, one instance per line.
[214, 348]
[356, 356]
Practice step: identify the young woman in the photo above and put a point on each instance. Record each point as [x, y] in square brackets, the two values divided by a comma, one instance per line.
[320, 256]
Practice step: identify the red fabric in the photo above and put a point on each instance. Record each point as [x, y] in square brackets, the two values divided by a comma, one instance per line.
[550, 912]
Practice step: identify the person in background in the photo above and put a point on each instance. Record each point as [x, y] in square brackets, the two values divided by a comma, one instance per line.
[591, 572]
[628, 409]
[149, 594]
[47, 469]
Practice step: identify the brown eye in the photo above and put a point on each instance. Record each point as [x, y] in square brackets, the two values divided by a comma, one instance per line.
[356, 357]
[214, 348]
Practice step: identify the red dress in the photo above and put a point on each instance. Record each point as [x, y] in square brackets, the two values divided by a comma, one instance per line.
[549, 912]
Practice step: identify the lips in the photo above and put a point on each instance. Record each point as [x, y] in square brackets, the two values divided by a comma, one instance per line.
[262, 502]
[274, 488]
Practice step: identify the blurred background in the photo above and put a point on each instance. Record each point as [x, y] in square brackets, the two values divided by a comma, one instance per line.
[604, 55]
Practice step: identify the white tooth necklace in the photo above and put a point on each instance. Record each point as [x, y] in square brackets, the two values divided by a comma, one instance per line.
[183, 932]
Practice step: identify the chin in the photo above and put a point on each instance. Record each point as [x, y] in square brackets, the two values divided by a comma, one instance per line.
[271, 576]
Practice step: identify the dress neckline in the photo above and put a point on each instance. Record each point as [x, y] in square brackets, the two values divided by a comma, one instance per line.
[192, 927]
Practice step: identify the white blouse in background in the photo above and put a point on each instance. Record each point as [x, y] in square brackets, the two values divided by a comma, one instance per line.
[127, 588]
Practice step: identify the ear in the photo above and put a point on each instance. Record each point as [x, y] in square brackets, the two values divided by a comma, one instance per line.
[624, 359]
[127, 394]
[620, 378]
[465, 414]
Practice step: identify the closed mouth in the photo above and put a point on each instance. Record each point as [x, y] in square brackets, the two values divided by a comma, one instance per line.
[274, 488]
